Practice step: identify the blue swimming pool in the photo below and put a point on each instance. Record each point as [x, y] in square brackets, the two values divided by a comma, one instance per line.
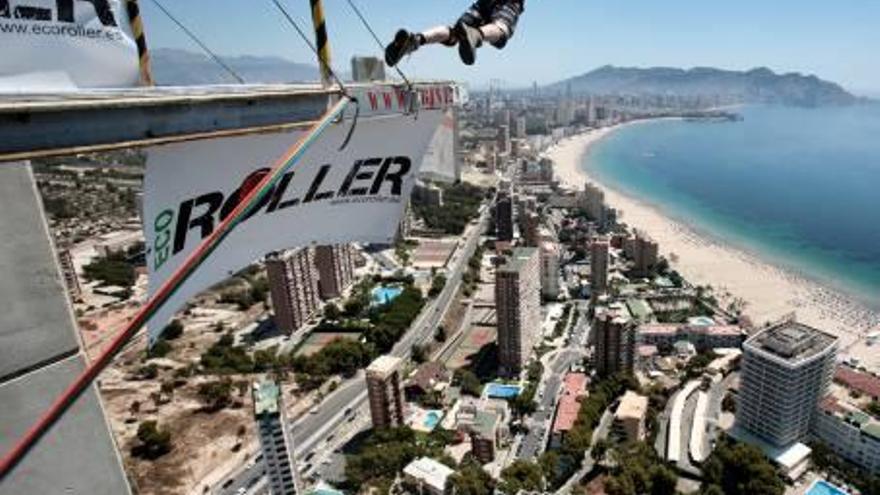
[502, 391]
[431, 419]
[385, 294]
[822, 487]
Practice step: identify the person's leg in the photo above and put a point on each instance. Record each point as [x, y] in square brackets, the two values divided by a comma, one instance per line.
[405, 42]
[503, 24]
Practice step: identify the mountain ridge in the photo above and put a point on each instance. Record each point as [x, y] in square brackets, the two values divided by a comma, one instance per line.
[176, 67]
[757, 85]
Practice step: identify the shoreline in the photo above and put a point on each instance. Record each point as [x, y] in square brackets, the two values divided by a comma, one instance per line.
[770, 290]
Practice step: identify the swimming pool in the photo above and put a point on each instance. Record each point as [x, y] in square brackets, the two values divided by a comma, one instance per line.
[431, 419]
[502, 391]
[385, 294]
[822, 487]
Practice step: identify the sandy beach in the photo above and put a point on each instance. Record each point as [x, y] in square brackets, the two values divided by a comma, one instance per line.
[770, 292]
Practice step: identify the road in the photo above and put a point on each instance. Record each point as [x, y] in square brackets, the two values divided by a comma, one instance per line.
[312, 430]
[555, 367]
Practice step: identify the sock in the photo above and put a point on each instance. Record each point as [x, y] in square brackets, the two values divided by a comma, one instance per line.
[439, 34]
[493, 33]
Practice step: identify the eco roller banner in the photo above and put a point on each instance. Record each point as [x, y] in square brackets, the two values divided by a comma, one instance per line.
[330, 196]
[63, 45]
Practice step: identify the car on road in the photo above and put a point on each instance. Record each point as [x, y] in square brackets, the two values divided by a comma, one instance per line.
[314, 410]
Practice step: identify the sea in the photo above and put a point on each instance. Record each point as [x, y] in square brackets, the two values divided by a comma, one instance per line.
[799, 187]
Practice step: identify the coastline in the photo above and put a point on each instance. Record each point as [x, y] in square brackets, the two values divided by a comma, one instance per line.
[770, 291]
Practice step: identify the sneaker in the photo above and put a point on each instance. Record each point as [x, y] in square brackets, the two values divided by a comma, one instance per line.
[404, 43]
[469, 39]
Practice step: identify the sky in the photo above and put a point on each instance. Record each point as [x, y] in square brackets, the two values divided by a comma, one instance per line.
[557, 39]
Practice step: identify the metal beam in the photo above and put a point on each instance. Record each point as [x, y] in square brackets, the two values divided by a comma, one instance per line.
[34, 126]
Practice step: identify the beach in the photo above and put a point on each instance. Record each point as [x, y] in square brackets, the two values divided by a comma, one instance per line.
[769, 291]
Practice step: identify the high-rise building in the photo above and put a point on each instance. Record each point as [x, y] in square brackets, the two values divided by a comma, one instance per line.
[518, 306]
[521, 127]
[593, 201]
[504, 139]
[614, 341]
[645, 253]
[531, 223]
[293, 283]
[504, 217]
[786, 370]
[550, 270]
[275, 441]
[335, 266]
[385, 392]
[629, 419]
[599, 261]
[366, 69]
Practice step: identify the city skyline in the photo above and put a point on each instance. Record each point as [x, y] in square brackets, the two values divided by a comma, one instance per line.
[580, 36]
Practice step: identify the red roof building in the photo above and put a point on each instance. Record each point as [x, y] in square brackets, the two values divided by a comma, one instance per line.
[859, 381]
[574, 388]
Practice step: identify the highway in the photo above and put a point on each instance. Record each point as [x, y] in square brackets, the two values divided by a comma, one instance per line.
[313, 429]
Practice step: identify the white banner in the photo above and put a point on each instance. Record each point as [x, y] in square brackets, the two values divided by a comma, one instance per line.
[62, 45]
[330, 197]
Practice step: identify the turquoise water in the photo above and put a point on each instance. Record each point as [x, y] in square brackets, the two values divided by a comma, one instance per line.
[431, 419]
[801, 186]
[822, 487]
[502, 391]
[384, 295]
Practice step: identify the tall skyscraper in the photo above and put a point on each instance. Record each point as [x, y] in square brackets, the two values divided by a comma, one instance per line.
[593, 201]
[599, 261]
[518, 306]
[549, 270]
[613, 341]
[504, 139]
[366, 69]
[275, 440]
[385, 392]
[645, 253]
[293, 283]
[521, 127]
[335, 269]
[504, 217]
[786, 370]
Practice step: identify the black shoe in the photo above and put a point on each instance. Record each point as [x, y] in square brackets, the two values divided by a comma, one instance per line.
[469, 39]
[404, 43]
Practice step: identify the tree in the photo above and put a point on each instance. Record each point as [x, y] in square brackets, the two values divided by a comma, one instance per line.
[728, 403]
[440, 334]
[160, 349]
[437, 285]
[332, 312]
[153, 442]
[173, 330]
[468, 382]
[741, 469]
[521, 475]
[471, 480]
[215, 395]
[419, 353]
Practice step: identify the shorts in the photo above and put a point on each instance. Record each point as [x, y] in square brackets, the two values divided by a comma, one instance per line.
[505, 13]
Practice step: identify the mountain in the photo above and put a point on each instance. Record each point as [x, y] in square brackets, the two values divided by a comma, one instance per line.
[172, 67]
[760, 85]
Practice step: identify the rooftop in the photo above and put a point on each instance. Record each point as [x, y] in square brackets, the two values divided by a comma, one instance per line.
[862, 382]
[384, 365]
[792, 341]
[266, 396]
[485, 423]
[517, 260]
[430, 472]
[632, 405]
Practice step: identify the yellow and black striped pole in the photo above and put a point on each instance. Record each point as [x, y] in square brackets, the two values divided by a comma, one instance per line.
[140, 38]
[322, 42]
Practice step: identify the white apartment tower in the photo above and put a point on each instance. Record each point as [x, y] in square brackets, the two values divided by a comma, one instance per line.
[518, 306]
[275, 442]
[786, 369]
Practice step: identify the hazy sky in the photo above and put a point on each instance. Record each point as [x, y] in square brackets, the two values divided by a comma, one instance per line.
[836, 40]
